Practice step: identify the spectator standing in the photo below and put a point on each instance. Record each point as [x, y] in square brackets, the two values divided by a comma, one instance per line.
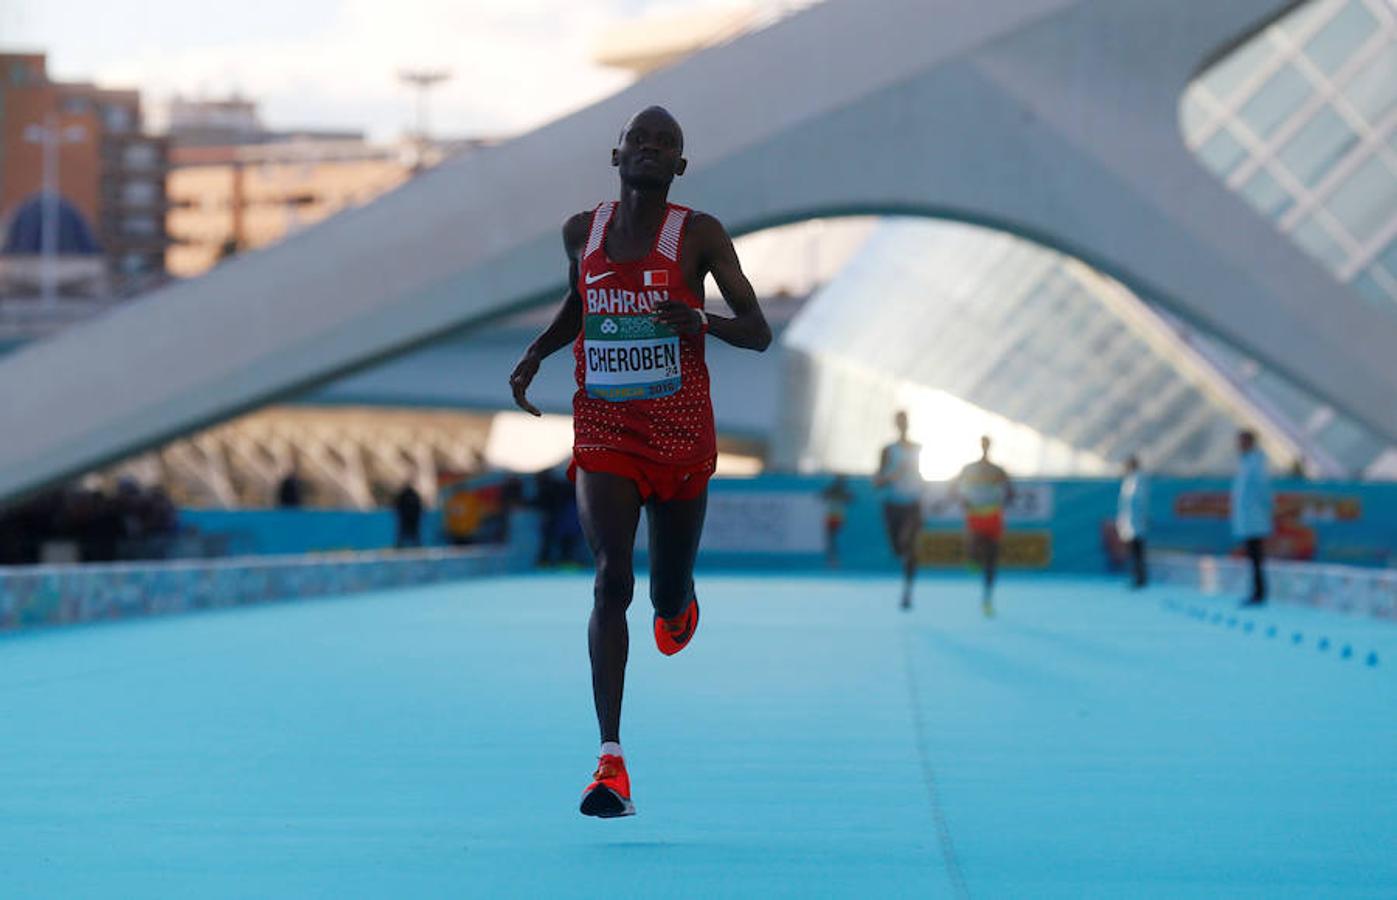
[288, 493]
[1132, 518]
[548, 501]
[1252, 510]
[837, 497]
[407, 507]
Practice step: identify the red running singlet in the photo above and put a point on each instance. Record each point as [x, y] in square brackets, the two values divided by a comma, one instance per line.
[642, 389]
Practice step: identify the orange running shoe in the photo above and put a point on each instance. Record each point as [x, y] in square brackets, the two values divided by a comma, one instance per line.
[609, 794]
[673, 635]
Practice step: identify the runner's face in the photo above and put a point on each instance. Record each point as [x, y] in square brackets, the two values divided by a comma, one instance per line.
[651, 151]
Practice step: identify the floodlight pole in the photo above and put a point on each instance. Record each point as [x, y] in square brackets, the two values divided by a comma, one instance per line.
[422, 81]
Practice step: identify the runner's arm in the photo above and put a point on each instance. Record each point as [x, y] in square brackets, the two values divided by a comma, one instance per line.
[566, 323]
[748, 328]
[880, 478]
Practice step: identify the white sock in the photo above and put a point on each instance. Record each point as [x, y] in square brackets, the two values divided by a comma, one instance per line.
[610, 748]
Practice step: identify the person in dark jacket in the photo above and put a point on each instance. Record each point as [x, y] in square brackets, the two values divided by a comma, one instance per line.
[407, 507]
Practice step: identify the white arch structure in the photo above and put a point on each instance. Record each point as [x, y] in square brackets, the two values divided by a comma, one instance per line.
[1054, 119]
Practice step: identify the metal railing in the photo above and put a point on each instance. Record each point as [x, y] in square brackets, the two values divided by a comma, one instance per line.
[1345, 589]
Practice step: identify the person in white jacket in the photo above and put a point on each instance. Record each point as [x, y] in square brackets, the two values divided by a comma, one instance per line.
[1132, 518]
[1252, 510]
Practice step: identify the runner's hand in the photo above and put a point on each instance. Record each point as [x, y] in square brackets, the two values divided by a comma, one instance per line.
[520, 380]
[680, 317]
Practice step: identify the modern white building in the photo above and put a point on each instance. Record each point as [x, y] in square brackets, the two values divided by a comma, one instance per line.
[1134, 282]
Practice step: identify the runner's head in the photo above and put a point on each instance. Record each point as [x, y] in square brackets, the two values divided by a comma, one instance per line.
[985, 446]
[650, 151]
[1246, 440]
[900, 423]
[1132, 463]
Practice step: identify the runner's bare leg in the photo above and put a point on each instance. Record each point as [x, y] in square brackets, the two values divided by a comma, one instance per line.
[609, 507]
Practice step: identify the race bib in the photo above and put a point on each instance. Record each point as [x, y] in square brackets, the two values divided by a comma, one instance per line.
[630, 358]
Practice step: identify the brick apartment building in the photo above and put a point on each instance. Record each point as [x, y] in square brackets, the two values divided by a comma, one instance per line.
[111, 172]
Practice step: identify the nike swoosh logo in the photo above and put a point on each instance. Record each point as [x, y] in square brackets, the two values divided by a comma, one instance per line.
[593, 279]
[683, 636]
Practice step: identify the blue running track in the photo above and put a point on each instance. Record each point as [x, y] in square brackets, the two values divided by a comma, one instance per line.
[812, 742]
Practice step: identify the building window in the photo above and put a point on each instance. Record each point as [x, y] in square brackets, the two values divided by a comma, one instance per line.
[139, 156]
[1275, 101]
[1336, 42]
[143, 226]
[139, 193]
[1223, 152]
[1367, 201]
[116, 118]
[1314, 149]
[75, 106]
[1267, 194]
[1373, 90]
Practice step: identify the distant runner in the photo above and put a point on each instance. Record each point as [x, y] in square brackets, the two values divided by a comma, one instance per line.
[983, 489]
[900, 478]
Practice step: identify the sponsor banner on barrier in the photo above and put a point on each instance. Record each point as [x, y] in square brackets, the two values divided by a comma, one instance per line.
[1031, 503]
[756, 523]
[1018, 549]
[1307, 525]
[477, 512]
[1307, 506]
[764, 522]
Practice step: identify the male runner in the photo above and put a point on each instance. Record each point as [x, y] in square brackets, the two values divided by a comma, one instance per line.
[899, 476]
[983, 490]
[642, 416]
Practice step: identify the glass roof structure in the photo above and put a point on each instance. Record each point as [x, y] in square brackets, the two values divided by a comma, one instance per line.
[1301, 121]
[1069, 370]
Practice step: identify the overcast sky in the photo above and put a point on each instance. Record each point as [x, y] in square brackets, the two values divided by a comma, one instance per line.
[333, 63]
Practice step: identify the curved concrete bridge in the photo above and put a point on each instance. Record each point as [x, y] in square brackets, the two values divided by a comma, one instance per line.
[1055, 119]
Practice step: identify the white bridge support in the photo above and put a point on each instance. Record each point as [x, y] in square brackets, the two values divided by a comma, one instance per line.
[1054, 119]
